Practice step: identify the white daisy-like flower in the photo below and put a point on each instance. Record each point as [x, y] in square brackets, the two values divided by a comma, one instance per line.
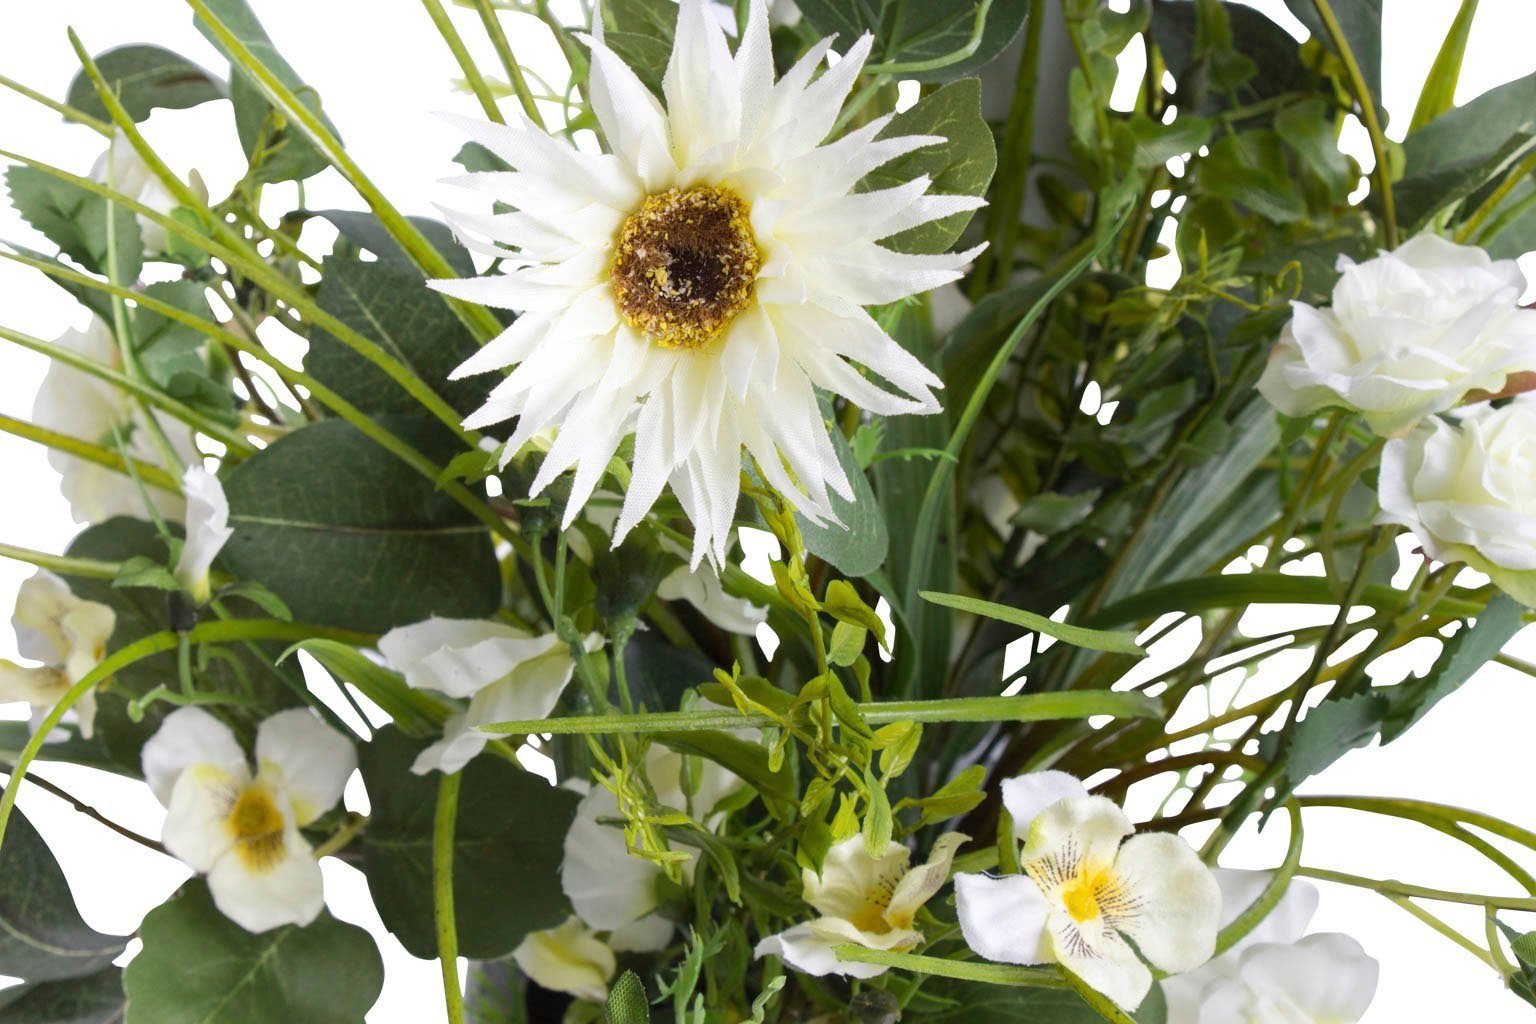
[208, 529]
[695, 286]
[507, 675]
[67, 634]
[865, 900]
[1088, 886]
[242, 828]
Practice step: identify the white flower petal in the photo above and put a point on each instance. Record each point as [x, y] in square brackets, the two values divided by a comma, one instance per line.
[196, 830]
[1076, 832]
[632, 120]
[607, 887]
[460, 657]
[531, 690]
[189, 736]
[568, 959]
[705, 592]
[1100, 958]
[1172, 904]
[1328, 977]
[459, 745]
[208, 529]
[1003, 919]
[288, 891]
[809, 952]
[1025, 796]
[651, 934]
[306, 760]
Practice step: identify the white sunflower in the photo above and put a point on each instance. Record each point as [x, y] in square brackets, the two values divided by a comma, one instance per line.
[695, 286]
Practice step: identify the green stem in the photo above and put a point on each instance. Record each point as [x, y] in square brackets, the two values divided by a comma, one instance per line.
[152, 475]
[88, 567]
[1383, 173]
[1273, 892]
[942, 967]
[1446, 930]
[509, 63]
[1388, 887]
[70, 113]
[460, 52]
[955, 56]
[442, 893]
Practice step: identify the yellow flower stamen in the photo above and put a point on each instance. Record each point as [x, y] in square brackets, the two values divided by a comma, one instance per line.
[257, 825]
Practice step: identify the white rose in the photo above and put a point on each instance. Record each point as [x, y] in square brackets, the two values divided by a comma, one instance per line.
[124, 170]
[1468, 492]
[1410, 333]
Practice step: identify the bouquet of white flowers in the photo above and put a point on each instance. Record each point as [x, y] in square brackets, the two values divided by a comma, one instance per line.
[759, 532]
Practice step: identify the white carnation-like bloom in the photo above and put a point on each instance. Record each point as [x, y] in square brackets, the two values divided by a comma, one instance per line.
[1088, 886]
[507, 675]
[613, 890]
[568, 958]
[1273, 975]
[208, 529]
[75, 403]
[242, 828]
[1410, 333]
[865, 900]
[67, 634]
[122, 168]
[697, 285]
[1468, 492]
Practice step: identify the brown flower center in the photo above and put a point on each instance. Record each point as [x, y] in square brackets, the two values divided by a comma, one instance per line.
[685, 265]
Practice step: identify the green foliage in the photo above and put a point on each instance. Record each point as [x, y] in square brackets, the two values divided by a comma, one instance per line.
[333, 524]
[626, 1001]
[914, 31]
[42, 937]
[507, 849]
[76, 221]
[640, 32]
[171, 353]
[94, 999]
[366, 231]
[945, 1001]
[857, 543]
[198, 967]
[1094, 640]
[144, 78]
[962, 165]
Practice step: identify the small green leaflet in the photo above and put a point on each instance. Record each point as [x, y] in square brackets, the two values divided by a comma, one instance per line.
[1078, 636]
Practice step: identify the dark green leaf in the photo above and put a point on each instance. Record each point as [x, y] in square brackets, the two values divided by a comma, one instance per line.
[42, 937]
[640, 32]
[366, 231]
[507, 849]
[909, 31]
[143, 571]
[143, 78]
[171, 352]
[387, 302]
[94, 999]
[76, 221]
[199, 967]
[1279, 69]
[961, 166]
[1464, 653]
[348, 535]
[946, 1001]
[1360, 21]
[1330, 730]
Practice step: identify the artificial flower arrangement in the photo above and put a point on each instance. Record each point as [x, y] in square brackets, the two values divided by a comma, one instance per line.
[872, 280]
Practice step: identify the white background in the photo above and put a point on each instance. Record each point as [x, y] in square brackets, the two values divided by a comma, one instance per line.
[383, 71]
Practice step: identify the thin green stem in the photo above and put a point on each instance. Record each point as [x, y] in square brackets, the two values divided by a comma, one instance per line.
[509, 64]
[442, 893]
[942, 967]
[1446, 930]
[1388, 887]
[152, 475]
[69, 113]
[1383, 172]
[90, 568]
[450, 34]
[955, 56]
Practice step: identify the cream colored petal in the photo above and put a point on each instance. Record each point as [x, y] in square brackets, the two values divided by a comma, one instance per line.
[1100, 958]
[1327, 977]
[531, 690]
[1073, 836]
[459, 657]
[459, 745]
[40, 686]
[705, 592]
[607, 887]
[86, 627]
[42, 601]
[850, 878]
[1169, 903]
[189, 736]
[1025, 796]
[208, 529]
[196, 822]
[1286, 922]
[306, 760]
[922, 882]
[650, 934]
[568, 959]
[289, 891]
[1003, 919]
[804, 950]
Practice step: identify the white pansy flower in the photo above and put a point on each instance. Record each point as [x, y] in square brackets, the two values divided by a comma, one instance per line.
[1273, 975]
[613, 890]
[1468, 492]
[865, 900]
[569, 959]
[67, 634]
[703, 589]
[75, 403]
[1410, 333]
[1088, 886]
[505, 673]
[208, 529]
[242, 828]
[697, 286]
[123, 168]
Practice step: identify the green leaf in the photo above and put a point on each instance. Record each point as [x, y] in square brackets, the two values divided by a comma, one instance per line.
[387, 302]
[95, 999]
[1078, 636]
[507, 849]
[626, 1001]
[277, 152]
[909, 31]
[1463, 654]
[640, 32]
[1194, 61]
[75, 220]
[171, 352]
[199, 967]
[1330, 730]
[143, 78]
[949, 1001]
[366, 231]
[261, 597]
[857, 544]
[1049, 513]
[42, 936]
[143, 571]
[1360, 21]
[348, 535]
[1439, 92]
[963, 165]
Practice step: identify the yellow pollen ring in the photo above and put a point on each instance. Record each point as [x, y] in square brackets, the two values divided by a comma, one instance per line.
[684, 265]
[257, 824]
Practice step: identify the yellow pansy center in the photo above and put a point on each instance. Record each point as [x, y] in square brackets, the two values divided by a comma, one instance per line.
[685, 264]
[1081, 898]
[257, 824]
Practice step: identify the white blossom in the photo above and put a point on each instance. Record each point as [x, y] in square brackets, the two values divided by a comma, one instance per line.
[239, 827]
[1088, 886]
[1468, 492]
[1410, 333]
[568, 958]
[865, 900]
[703, 589]
[696, 286]
[67, 634]
[208, 529]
